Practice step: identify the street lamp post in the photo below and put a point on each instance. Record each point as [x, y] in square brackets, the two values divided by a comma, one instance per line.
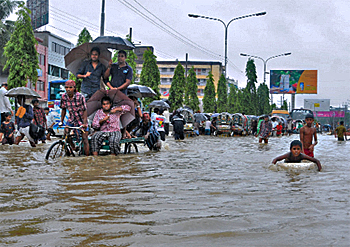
[226, 27]
[265, 61]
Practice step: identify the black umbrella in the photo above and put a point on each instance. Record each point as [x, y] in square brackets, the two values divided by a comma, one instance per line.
[81, 53]
[140, 91]
[200, 117]
[114, 42]
[159, 104]
[24, 91]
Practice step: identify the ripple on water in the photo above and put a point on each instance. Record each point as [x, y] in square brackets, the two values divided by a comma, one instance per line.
[203, 191]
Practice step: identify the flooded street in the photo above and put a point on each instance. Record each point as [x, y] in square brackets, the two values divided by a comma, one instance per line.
[203, 191]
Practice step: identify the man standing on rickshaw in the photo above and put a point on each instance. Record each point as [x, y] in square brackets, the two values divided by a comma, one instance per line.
[91, 72]
[75, 103]
[121, 73]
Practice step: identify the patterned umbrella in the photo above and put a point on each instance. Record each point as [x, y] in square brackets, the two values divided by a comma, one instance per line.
[118, 99]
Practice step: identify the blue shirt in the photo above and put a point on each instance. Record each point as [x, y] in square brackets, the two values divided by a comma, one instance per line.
[27, 117]
[120, 75]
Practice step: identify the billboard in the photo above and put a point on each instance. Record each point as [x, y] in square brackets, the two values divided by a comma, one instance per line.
[338, 114]
[293, 81]
[317, 104]
[39, 12]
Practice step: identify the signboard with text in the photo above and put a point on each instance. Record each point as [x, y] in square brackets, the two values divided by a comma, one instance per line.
[329, 114]
[293, 81]
[39, 12]
[317, 104]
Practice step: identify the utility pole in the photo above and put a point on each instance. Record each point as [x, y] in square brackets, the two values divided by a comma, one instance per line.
[130, 34]
[102, 27]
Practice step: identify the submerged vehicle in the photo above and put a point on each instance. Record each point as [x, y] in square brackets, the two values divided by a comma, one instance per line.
[223, 124]
[239, 124]
[275, 121]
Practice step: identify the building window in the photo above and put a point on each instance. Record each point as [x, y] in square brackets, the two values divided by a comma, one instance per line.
[40, 86]
[200, 92]
[164, 69]
[172, 69]
[64, 73]
[41, 59]
[54, 70]
[166, 81]
[202, 82]
[59, 48]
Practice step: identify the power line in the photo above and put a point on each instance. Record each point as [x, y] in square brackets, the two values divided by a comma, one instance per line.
[75, 19]
[134, 9]
[175, 30]
[63, 30]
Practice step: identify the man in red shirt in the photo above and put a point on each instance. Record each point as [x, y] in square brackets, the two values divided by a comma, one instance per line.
[279, 128]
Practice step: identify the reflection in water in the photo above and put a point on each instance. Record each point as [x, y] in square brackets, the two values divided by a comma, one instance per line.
[203, 191]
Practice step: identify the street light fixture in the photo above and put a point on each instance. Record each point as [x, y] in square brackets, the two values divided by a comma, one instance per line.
[265, 61]
[226, 27]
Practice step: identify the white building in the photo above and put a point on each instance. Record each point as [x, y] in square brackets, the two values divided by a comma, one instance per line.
[58, 48]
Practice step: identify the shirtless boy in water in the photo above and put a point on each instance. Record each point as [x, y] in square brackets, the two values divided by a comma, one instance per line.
[307, 133]
[295, 155]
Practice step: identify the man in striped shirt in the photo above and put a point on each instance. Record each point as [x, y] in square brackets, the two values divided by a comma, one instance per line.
[75, 103]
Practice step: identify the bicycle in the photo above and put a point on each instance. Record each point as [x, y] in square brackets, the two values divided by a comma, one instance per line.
[63, 148]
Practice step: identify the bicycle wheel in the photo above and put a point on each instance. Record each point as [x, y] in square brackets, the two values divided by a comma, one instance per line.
[57, 150]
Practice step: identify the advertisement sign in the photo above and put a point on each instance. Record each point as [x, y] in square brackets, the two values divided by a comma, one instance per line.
[39, 12]
[317, 104]
[293, 81]
[329, 114]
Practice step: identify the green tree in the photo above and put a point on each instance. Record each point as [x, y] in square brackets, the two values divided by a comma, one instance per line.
[150, 75]
[273, 107]
[130, 59]
[250, 98]
[263, 97]
[209, 101]
[177, 88]
[240, 101]
[222, 94]
[284, 105]
[6, 26]
[191, 97]
[22, 57]
[232, 99]
[84, 37]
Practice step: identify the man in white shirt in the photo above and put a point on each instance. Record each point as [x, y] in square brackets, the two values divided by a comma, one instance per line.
[50, 122]
[158, 121]
[166, 122]
[5, 105]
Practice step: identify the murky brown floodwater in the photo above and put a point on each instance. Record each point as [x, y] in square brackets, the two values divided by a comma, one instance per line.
[204, 191]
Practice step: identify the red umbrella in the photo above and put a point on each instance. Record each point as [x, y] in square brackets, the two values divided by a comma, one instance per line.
[118, 99]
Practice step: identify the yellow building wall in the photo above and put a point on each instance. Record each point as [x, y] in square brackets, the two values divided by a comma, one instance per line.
[215, 69]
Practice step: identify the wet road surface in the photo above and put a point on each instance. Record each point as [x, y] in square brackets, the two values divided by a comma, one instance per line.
[203, 191]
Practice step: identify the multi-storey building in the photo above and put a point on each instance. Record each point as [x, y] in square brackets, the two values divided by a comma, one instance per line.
[57, 49]
[42, 84]
[201, 68]
[167, 68]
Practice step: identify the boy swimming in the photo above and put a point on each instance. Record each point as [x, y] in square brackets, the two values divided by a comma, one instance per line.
[295, 155]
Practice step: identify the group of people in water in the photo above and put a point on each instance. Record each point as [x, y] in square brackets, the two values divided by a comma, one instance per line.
[106, 121]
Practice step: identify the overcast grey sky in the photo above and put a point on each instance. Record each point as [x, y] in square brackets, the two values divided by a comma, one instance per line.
[315, 32]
